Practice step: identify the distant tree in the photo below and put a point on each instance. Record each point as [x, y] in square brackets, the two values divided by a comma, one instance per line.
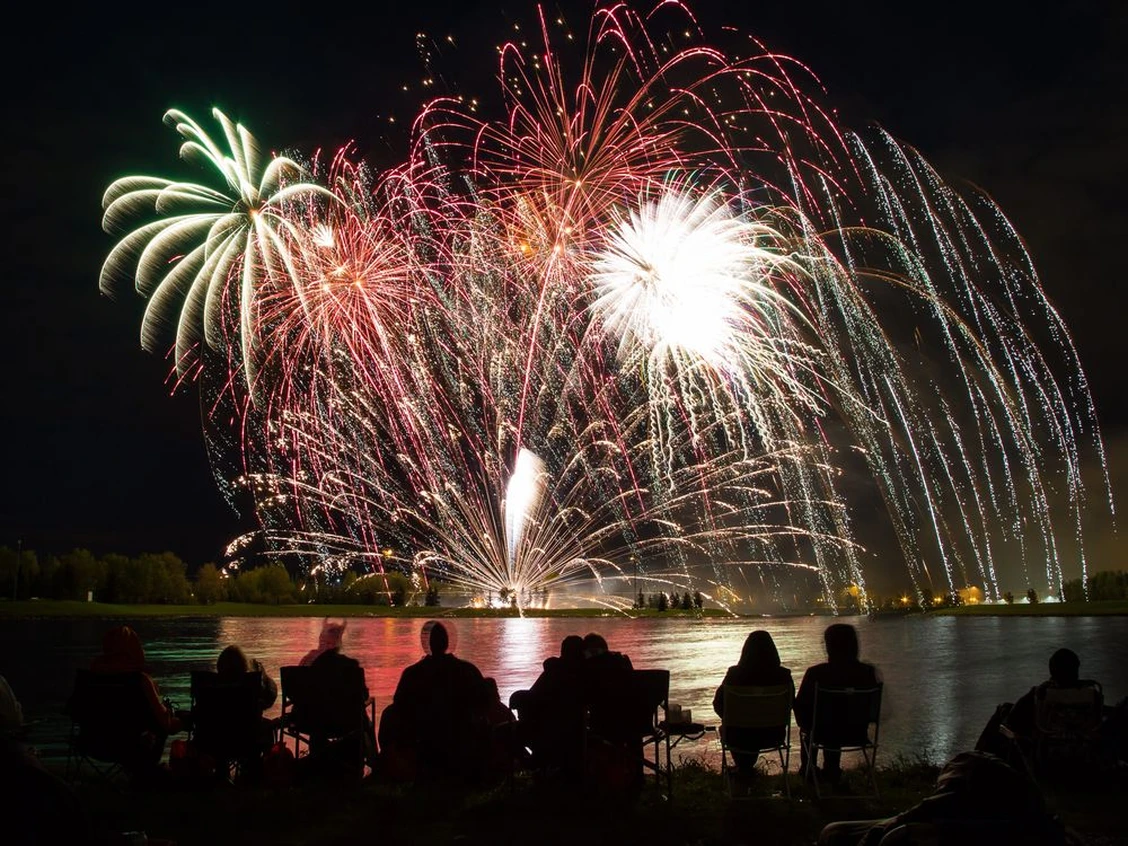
[955, 599]
[1008, 598]
[640, 602]
[698, 600]
[686, 601]
[113, 583]
[432, 598]
[652, 601]
[167, 579]
[210, 587]
[19, 572]
[1108, 585]
[1073, 591]
[1032, 596]
[78, 575]
[345, 592]
[276, 585]
[663, 602]
[926, 597]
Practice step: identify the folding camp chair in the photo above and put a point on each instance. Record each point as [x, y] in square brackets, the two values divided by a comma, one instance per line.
[227, 721]
[756, 712]
[111, 723]
[321, 715]
[1066, 737]
[842, 717]
[1067, 726]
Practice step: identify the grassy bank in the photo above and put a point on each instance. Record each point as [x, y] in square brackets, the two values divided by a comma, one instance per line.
[64, 608]
[1118, 607]
[700, 813]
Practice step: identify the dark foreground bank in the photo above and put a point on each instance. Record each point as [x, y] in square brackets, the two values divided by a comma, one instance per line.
[700, 812]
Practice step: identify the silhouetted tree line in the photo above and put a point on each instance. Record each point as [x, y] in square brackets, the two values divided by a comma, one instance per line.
[670, 602]
[1111, 584]
[151, 577]
[162, 578]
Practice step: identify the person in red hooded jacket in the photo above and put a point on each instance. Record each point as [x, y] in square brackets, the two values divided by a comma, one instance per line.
[122, 652]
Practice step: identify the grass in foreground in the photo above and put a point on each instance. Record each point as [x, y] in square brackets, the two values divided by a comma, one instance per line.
[700, 812]
[67, 608]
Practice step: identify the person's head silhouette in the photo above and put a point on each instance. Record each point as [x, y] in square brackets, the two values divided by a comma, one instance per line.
[438, 639]
[1065, 666]
[594, 644]
[759, 651]
[572, 648]
[841, 643]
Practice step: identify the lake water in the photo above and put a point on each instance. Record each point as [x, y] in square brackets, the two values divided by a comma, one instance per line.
[943, 675]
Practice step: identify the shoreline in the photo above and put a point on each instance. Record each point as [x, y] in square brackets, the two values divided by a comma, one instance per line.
[73, 609]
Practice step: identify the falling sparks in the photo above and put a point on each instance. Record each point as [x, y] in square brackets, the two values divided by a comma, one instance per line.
[660, 313]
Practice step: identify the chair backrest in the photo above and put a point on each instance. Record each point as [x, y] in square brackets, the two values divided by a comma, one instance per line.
[652, 691]
[625, 706]
[843, 715]
[757, 707]
[226, 713]
[318, 703]
[109, 711]
[1069, 712]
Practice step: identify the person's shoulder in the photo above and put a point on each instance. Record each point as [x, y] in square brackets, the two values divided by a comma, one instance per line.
[468, 667]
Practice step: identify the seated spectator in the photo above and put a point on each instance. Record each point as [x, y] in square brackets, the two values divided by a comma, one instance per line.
[122, 652]
[436, 724]
[502, 726]
[37, 806]
[11, 713]
[614, 750]
[552, 712]
[331, 637]
[759, 666]
[342, 699]
[1020, 718]
[232, 665]
[841, 669]
[978, 799]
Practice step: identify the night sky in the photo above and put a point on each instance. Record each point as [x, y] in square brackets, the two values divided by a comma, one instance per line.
[1030, 107]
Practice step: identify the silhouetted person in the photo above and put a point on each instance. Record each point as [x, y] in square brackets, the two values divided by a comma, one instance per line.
[552, 712]
[978, 799]
[331, 637]
[1021, 717]
[36, 806]
[122, 652]
[341, 694]
[438, 718]
[614, 752]
[232, 663]
[501, 724]
[759, 666]
[842, 669]
[232, 666]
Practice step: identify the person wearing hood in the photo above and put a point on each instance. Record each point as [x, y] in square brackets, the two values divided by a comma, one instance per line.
[122, 652]
[759, 666]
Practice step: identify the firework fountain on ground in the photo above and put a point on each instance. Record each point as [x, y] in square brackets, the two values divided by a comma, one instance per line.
[660, 311]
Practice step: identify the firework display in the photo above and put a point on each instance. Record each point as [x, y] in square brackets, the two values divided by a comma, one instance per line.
[657, 316]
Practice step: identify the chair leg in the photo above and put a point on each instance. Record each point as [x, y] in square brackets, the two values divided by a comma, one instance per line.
[812, 769]
[871, 767]
[784, 762]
